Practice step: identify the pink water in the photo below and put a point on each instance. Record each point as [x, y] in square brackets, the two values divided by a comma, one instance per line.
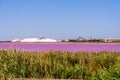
[70, 47]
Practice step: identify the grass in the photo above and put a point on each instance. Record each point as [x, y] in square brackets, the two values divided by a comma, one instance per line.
[59, 65]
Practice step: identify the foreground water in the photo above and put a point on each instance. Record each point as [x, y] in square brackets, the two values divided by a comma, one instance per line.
[70, 47]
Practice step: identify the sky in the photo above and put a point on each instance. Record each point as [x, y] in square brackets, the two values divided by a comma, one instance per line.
[59, 19]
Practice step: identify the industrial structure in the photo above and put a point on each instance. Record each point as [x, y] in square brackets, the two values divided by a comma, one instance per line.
[112, 40]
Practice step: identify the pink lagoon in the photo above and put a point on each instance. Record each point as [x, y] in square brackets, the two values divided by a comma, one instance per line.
[69, 47]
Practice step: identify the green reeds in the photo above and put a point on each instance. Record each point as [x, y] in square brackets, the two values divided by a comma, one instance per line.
[59, 65]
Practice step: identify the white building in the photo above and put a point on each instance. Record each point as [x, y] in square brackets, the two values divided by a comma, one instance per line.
[112, 39]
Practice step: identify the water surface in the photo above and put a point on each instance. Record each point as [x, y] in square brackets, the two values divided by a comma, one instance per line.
[71, 47]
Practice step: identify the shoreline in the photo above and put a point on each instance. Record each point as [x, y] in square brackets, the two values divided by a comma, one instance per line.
[68, 42]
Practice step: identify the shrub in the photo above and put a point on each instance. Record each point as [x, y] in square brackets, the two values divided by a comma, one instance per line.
[59, 65]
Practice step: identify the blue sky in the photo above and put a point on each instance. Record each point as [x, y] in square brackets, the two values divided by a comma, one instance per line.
[59, 19]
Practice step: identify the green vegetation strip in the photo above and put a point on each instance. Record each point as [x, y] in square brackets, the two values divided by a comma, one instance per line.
[59, 65]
